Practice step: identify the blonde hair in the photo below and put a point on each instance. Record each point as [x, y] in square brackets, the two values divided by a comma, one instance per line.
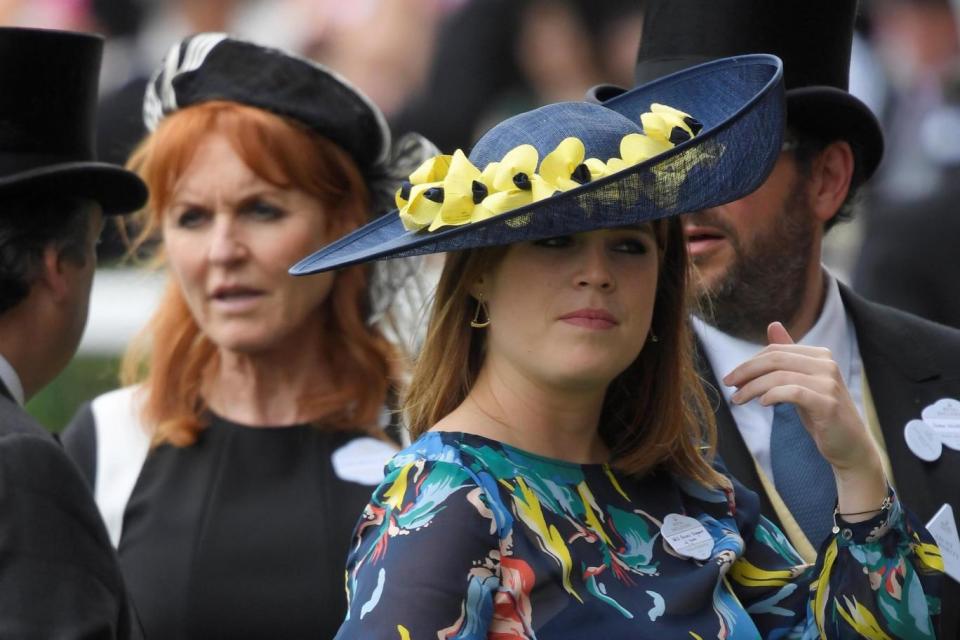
[655, 414]
[171, 357]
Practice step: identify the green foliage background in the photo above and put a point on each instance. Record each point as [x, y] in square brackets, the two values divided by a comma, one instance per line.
[84, 378]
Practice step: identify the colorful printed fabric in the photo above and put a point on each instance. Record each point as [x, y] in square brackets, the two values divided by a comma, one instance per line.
[468, 538]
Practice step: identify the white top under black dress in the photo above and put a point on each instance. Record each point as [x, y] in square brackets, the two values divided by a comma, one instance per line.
[241, 535]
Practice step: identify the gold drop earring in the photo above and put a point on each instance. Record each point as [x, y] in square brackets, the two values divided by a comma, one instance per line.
[477, 323]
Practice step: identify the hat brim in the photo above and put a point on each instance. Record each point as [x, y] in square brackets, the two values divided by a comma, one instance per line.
[821, 110]
[117, 190]
[838, 115]
[739, 101]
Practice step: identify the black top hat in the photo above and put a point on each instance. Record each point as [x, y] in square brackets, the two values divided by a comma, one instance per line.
[812, 37]
[48, 97]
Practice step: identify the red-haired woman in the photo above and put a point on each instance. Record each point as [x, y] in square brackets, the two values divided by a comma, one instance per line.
[233, 466]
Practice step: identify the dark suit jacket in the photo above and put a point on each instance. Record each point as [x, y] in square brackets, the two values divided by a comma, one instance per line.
[59, 576]
[909, 363]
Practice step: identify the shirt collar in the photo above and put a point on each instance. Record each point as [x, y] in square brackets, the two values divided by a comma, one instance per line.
[11, 380]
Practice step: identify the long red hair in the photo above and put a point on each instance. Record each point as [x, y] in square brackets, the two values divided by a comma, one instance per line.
[171, 357]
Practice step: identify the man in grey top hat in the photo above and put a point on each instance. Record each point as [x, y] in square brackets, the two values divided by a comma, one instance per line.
[59, 576]
[759, 261]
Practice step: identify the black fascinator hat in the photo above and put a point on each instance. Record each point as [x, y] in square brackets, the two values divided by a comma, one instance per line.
[216, 66]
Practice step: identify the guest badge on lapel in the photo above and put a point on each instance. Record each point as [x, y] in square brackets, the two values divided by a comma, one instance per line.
[943, 528]
[687, 536]
[922, 440]
[944, 416]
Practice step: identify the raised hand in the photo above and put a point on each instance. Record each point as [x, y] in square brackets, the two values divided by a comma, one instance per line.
[809, 378]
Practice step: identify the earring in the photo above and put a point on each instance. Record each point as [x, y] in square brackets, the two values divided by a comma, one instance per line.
[654, 337]
[476, 323]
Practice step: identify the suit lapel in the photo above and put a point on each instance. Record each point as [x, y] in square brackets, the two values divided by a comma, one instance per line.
[903, 379]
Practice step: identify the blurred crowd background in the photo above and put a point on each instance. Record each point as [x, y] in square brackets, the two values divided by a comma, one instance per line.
[450, 68]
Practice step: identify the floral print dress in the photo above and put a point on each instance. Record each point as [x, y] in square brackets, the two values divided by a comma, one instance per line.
[470, 538]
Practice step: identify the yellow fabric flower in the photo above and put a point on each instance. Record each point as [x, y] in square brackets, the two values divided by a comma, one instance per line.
[598, 168]
[669, 124]
[516, 183]
[464, 190]
[694, 125]
[450, 190]
[636, 148]
[558, 166]
[420, 201]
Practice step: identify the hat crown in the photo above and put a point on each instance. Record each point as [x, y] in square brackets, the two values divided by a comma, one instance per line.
[49, 97]
[599, 128]
[812, 37]
[214, 66]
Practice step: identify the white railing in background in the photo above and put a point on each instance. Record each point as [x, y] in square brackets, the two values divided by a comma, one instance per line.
[121, 302]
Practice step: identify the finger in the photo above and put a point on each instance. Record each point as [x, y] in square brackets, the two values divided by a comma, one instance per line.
[763, 385]
[819, 352]
[805, 399]
[778, 334]
[779, 360]
[811, 405]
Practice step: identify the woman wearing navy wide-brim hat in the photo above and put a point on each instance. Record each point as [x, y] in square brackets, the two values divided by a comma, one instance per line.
[560, 484]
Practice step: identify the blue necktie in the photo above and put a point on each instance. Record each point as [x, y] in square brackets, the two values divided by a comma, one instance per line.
[802, 476]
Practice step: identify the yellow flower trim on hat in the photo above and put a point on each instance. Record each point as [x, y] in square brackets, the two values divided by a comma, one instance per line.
[449, 190]
[420, 199]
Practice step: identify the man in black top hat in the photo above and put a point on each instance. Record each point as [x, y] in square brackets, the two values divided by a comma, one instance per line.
[759, 261]
[58, 572]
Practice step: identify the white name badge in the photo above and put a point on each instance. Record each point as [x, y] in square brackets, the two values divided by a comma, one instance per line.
[943, 528]
[922, 440]
[687, 536]
[944, 416]
[361, 460]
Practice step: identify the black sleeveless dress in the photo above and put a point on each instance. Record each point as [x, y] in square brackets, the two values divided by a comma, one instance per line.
[243, 534]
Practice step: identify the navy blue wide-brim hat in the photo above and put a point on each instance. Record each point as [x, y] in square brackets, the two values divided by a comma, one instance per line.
[48, 99]
[739, 103]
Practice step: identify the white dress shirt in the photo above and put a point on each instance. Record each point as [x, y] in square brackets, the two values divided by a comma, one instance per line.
[11, 380]
[833, 330]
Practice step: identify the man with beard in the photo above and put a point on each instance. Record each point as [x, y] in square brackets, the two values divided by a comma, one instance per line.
[59, 576]
[758, 261]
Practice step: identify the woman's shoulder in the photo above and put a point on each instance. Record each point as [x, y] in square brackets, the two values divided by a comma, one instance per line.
[471, 452]
[109, 420]
[437, 482]
[109, 442]
[116, 417]
[452, 461]
[434, 453]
